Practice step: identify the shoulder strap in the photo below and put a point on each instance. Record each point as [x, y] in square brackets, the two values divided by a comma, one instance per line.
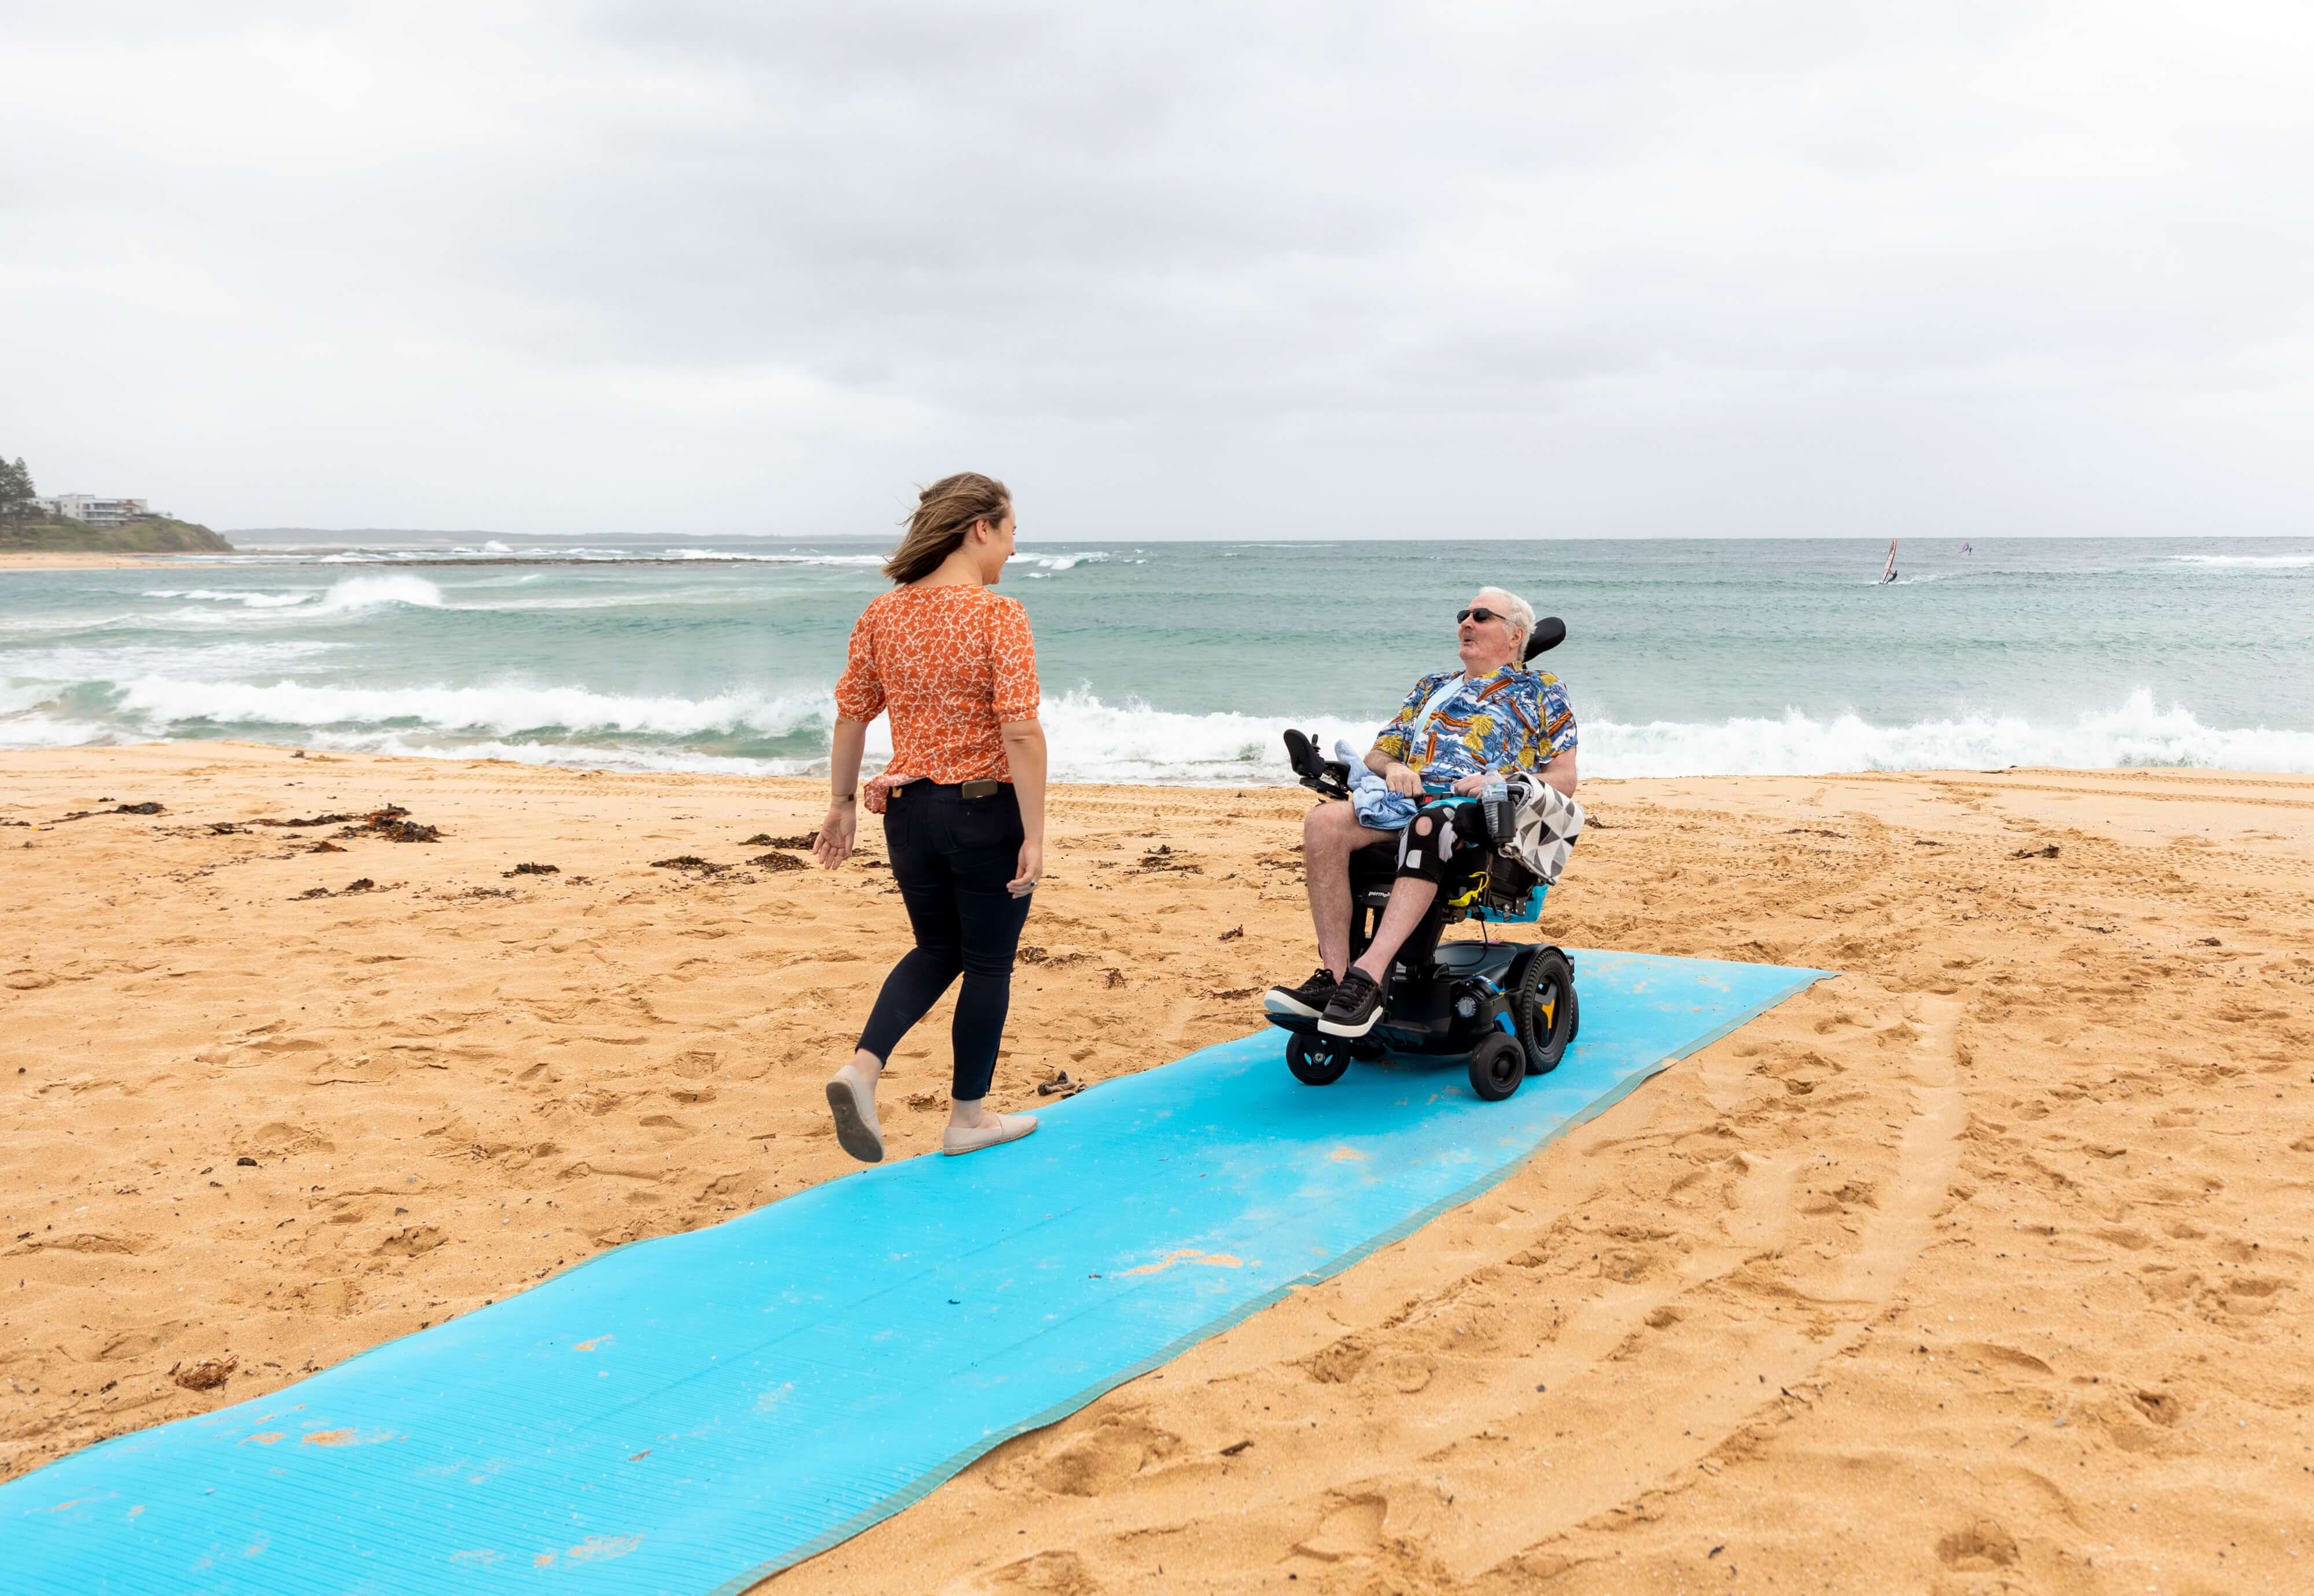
[1445, 690]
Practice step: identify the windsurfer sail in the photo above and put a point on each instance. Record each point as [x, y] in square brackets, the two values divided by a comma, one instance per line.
[1889, 574]
[1967, 547]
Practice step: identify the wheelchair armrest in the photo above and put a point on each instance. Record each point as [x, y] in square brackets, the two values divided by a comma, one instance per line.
[1327, 778]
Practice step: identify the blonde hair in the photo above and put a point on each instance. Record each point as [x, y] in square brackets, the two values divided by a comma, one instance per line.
[946, 511]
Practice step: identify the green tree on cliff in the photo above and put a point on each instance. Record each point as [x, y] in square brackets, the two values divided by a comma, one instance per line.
[15, 490]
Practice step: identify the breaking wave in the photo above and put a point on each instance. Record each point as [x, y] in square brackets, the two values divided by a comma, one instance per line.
[247, 600]
[346, 594]
[2138, 734]
[769, 731]
[165, 702]
[2263, 562]
[364, 593]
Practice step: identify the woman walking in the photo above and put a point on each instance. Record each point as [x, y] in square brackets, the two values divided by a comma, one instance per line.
[963, 798]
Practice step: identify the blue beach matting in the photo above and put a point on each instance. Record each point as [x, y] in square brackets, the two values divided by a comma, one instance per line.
[691, 1414]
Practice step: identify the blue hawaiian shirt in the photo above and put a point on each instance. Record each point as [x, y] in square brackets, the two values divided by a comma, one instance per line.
[1514, 720]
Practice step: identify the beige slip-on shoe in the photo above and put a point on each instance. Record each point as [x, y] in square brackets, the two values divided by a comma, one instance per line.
[855, 1108]
[998, 1128]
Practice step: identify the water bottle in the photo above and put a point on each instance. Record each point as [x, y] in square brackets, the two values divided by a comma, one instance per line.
[1494, 803]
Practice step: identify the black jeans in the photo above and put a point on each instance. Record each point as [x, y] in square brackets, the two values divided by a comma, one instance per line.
[951, 856]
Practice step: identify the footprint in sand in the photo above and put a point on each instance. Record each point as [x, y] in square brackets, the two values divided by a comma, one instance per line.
[1979, 1547]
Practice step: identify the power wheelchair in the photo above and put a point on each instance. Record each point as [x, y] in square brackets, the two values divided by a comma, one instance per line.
[1510, 1007]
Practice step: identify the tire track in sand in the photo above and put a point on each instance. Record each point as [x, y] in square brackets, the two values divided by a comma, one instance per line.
[1716, 1413]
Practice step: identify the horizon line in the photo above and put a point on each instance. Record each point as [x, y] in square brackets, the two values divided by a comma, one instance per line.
[879, 539]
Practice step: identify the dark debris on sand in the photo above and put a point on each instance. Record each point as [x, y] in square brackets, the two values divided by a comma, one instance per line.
[148, 808]
[776, 862]
[392, 823]
[1051, 960]
[363, 883]
[206, 1375]
[389, 823]
[803, 841]
[689, 861]
[1162, 858]
[531, 870]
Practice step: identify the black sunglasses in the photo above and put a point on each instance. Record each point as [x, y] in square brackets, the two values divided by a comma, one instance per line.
[1478, 613]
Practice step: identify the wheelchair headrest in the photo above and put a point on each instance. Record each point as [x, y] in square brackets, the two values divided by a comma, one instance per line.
[1547, 634]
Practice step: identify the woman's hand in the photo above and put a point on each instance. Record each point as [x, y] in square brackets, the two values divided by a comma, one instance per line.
[1402, 780]
[1032, 864]
[833, 843]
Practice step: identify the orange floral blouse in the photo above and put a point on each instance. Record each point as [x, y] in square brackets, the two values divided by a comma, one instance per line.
[952, 664]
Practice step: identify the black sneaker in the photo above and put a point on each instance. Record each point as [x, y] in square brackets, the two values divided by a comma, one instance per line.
[1356, 1004]
[1308, 1000]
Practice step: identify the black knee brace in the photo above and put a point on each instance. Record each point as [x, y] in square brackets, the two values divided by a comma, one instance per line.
[1430, 850]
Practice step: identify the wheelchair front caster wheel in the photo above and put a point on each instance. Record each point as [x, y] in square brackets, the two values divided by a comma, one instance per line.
[1316, 1061]
[1497, 1065]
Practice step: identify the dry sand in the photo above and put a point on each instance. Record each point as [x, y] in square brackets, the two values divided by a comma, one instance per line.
[1980, 1268]
[49, 559]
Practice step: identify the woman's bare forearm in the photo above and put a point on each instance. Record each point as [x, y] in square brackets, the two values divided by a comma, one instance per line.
[843, 759]
[1024, 752]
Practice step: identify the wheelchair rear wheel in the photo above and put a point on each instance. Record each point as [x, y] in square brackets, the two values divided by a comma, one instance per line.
[1316, 1061]
[1497, 1065]
[1543, 1006]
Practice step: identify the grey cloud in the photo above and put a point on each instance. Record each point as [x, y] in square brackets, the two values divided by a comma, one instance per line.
[1344, 263]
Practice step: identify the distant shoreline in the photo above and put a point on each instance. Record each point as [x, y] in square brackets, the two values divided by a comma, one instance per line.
[103, 560]
[94, 559]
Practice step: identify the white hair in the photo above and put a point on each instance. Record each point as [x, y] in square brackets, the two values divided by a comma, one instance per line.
[1516, 610]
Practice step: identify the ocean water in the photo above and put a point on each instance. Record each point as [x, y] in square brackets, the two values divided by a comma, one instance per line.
[1182, 662]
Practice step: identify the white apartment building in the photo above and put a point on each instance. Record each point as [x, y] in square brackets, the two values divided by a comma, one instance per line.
[95, 511]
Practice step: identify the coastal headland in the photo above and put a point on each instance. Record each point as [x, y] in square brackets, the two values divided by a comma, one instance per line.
[1980, 1266]
[62, 542]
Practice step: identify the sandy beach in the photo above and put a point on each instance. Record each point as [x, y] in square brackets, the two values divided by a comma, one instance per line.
[44, 560]
[1979, 1268]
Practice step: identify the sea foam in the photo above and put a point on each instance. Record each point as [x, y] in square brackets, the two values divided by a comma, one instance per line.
[2139, 732]
[247, 600]
[1094, 740]
[2262, 562]
[165, 701]
[363, 593]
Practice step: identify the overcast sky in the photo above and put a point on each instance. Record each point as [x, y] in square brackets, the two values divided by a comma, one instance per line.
[1207, 269]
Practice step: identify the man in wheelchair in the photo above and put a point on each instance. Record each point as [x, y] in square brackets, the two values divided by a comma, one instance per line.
[1457, 729]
